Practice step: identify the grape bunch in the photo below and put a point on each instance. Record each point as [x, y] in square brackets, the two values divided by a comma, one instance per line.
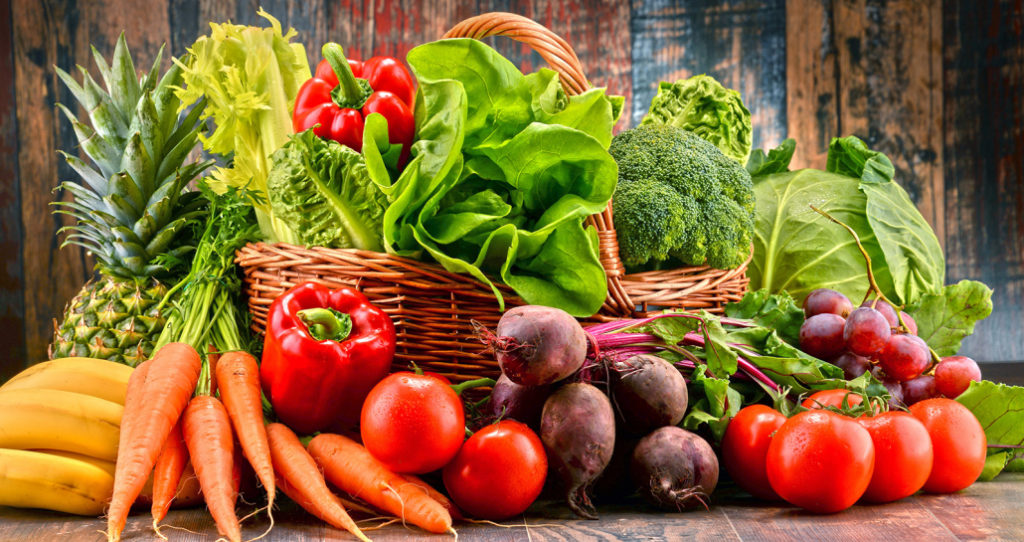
[875, 337]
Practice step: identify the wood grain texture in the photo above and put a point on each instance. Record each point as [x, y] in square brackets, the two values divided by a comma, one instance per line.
[984, 511]
[43, 36]
[12, 280]
[874, 70]
[983, 72]
[742, 43]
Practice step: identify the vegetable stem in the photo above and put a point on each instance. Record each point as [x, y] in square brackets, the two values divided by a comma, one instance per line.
[351, 92]
[326, 324]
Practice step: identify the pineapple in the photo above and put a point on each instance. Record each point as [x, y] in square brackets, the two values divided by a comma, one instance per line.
[131, 205]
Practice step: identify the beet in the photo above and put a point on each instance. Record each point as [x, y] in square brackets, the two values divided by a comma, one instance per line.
[675, 468]
[577, 427]
[537, 345]
[521, 403]
[648, 392]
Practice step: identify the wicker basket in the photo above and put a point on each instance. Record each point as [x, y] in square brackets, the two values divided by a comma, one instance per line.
[433, 309]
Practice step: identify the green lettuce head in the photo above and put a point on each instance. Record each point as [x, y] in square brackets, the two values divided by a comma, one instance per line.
[703, 106]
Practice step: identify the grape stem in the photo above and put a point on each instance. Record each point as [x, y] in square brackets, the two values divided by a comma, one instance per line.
[871, 279]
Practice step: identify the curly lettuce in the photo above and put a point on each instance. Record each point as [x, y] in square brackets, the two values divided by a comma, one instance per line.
[703, 106]
[321, 191]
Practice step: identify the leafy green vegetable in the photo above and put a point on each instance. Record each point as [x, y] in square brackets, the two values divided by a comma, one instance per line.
[776, 161]
[798, 250]
[679, 198]
[249, 76]
[1000, 409]
[944, 319]
[703, 106]
[320, 189]
[504, 172]
[776, 311]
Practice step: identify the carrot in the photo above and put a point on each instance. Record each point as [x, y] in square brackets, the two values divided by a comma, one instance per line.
[297, 469]
[207, 432]
[133, 400]
[351, 468]
[239, 378]
[167, 473]
[169, 383]
[212, 358]
[441, 498]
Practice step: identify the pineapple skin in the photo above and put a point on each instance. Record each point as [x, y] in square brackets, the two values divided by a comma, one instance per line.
[112, 319]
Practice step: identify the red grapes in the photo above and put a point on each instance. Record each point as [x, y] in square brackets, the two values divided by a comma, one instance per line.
[903, 357]
[866, 331]
[824, 300]
[954, 374]
[873, 338]
[822, 335]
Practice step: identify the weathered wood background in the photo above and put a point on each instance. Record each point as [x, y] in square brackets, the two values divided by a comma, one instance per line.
[937, 85]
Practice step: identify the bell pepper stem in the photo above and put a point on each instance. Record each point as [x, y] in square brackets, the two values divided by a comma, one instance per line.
[350, 93]
[469, 384]
[326, 324]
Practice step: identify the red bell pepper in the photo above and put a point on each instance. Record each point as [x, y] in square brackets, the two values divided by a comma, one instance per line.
[323, 352]
[343, 92]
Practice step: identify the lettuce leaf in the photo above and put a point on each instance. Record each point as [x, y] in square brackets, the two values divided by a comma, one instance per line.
[1000, 409]
[321, 191]
[505, 171]
[944, 319]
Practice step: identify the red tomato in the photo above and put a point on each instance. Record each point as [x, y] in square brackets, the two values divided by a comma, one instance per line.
[745, 447]
[958, 441]
[903, 455]
[499, 471]
[832, 398]
[412, 423]
[820, 461]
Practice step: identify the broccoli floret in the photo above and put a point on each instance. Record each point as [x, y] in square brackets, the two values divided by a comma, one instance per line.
[679, 197]
[660, 219]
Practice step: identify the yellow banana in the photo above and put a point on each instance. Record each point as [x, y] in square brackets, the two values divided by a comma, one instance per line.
[37, 480]
[59, 420]
[108, 466]
[96, 377]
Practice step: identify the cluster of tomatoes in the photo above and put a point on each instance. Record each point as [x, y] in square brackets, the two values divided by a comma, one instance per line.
[415, 424]
[824, 461]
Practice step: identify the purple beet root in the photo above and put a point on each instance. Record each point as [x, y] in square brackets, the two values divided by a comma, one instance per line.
[675, 468]
[578, 431]
[537, 345]
[521, 403]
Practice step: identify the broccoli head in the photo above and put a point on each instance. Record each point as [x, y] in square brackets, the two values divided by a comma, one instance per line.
[680, 198]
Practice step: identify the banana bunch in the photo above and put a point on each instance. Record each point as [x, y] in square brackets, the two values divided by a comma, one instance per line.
[59, 427]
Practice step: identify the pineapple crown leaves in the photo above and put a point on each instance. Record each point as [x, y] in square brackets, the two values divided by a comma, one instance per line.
[130, 204]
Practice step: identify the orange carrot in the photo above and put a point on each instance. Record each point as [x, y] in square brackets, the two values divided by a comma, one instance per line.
[167, 473]
[352, 469]
[211, 446]
[297, 469]
[133, 399]
[239, 377]
[212, 358]
[441, 498]
[169, 382]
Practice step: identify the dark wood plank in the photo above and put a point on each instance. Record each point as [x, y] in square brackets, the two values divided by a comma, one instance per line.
[812, 103]
[43, 37]
[983, 71]
[12, 281]
[739, 42]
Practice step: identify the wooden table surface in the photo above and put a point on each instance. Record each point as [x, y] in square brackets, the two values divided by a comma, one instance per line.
[985, 511]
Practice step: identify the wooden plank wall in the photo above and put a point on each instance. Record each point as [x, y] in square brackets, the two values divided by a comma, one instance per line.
[936, 84]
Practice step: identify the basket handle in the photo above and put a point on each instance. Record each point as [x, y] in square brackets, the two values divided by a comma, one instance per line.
[555, 50]
[560, 56]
